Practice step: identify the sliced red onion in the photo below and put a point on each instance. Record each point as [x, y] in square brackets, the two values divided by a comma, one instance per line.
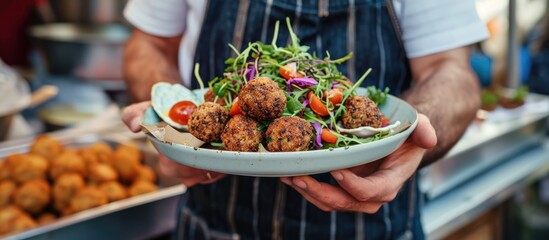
[334, 84]
[318, 140]
[305, 103]
[301, 82]
[250, 72]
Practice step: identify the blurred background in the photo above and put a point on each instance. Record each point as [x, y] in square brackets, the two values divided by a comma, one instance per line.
[61, 73]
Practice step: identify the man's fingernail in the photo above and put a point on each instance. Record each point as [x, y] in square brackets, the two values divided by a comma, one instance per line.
[300, 184]
[338, 176]
[135, 125]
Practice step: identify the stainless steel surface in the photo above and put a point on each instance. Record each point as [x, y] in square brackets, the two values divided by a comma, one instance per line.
[484, 146]
[85, 51]
[139, 217]
[88, 11]
[455, 209]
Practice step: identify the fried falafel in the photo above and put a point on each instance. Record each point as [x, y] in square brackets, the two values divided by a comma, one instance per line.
[47, 147]
[7, 189]
[68, 161]
[361, 112]
[64, 189]
[262, 99]
[287, 134]
[242, 134]
[208, 121]
[33, 196]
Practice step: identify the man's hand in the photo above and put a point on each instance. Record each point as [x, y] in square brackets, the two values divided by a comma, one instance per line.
[132, 116]
[366, 188]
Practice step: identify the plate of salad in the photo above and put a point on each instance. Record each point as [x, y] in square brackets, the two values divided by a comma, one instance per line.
[280, 111]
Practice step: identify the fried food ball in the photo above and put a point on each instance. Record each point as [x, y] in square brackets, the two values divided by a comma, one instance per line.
[33, 196]
[126, 161]
[12, 220]
[7, 189]
[89, 155]
[361, 112]
[141, 187]
[242, 134]
[104, 152]
[207, 121]
[68, 161]
[4, 171]
[65, 187]
[102, 173]
[86, 198]
[47, 147]
[113, 190]
[288, 134]
[262, 99]
[45, 218]
[209, 96]
[145, 173]
[27, 167]
[7, 215]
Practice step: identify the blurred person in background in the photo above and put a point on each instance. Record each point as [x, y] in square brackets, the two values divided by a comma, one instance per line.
[419, 50]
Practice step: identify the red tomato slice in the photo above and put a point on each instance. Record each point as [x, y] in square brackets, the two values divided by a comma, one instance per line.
[289, 71]
[181, 111]
[328, 136]
[335, 95]
[316, 105]
[235, 110]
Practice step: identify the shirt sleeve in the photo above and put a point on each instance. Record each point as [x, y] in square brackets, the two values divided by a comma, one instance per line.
[165, 18]
[432, 26]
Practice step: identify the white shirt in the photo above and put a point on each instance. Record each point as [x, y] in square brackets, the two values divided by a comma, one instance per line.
[428, 26]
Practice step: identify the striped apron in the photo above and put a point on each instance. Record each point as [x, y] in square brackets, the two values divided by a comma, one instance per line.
[264, 208]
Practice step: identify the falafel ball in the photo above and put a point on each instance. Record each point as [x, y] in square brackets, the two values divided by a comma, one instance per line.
[47, 147]
[104, 152]
[89, 155]
[7, 188]
[141, 187]
[126, 161]
[68, 161]
[262, 99]
[207, 121]
[361, 112]
[209, 96]
[102, 173]
[64, 189]
[113, 190]
[13, 219]
[28, 167]
[242, 134]
[4, 171]
[86, 198]
[287, 134]
[145, 173]
[33, 196]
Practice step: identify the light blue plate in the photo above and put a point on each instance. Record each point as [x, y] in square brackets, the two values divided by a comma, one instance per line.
[278, 164]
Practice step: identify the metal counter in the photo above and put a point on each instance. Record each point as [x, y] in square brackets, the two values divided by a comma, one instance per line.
[488, 165]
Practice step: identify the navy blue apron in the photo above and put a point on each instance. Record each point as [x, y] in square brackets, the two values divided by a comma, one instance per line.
[264, 208]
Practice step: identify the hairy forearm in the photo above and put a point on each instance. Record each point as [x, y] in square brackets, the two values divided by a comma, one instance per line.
[450, 97]
[146, 62]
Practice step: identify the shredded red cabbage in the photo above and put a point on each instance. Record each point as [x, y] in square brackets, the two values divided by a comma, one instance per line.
[301, 82]
[318, 140]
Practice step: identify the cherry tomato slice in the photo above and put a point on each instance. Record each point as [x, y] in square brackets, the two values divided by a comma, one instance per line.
[335, 95]
[316, 105]
[289, 71]
[235, 109]
[385, 121]
[328, 136]
[181, 111]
